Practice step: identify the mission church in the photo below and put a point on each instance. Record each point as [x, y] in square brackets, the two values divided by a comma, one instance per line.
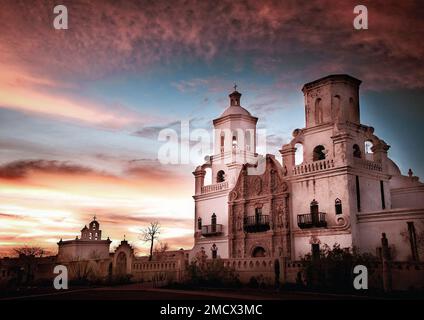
[334, 185]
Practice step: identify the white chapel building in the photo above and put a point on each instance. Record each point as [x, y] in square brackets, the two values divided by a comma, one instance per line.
[344, 189]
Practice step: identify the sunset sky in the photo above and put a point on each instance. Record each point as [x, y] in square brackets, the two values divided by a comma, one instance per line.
[81, 109]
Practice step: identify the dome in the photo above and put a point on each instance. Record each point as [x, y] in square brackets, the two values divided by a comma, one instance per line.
[235, 110]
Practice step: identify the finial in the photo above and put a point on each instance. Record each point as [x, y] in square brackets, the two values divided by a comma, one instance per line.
[94, 217]
[235, 86]
[410, 173]
[124, 237]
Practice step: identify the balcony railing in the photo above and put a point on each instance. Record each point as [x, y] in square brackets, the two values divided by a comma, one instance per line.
[215, 187]
[311, 220]
[212, 230]
[258, 223]
[368, 164]
[312, 167]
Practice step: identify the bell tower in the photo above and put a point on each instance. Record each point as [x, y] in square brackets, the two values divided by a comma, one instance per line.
[235, 140]
[332, 99]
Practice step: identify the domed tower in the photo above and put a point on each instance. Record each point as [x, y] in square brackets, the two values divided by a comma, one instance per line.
[235, 140]
[234, 146]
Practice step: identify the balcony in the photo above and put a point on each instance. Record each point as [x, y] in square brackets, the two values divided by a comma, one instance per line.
[258, 223]
[212, 230]
[311, 220]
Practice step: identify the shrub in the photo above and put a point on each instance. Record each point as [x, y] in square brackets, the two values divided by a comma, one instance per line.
[334, 268]
[212, 273]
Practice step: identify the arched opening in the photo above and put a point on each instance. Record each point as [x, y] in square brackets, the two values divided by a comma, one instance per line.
[356, 151]
[121, 264]
[234, 141]
[368, 150]
[249, 142]
[298, 156]
[338, 206]
[220, 176]
[222, 143]
[199, 223]
[336, 107]
[208, 176]
[319, 118]
[319, 153]
[258, 252]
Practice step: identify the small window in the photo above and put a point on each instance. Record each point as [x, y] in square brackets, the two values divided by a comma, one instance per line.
[319, 153]
[234, 142]
[338, 206]
[222, 142]
[199, 223]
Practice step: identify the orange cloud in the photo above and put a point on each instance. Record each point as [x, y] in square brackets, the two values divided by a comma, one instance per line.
[43, 201]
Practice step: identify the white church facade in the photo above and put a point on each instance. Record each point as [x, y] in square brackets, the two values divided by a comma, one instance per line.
[335, 184]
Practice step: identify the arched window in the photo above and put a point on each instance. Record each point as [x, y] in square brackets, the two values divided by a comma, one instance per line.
[248, 137]
[336, 107]
[222, 142]
[213, 222]
[319, 118]
[298, 156]
[199, 223]
[220, 176]
[213, 219]
[234, 141]
[319, 153]
[356, 151]
[338, 206]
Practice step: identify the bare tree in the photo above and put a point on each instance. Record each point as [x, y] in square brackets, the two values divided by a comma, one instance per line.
[30, 251]
[27, 256]
[150, 234]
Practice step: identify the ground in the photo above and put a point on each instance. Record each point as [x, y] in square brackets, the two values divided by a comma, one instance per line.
[143, 292]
